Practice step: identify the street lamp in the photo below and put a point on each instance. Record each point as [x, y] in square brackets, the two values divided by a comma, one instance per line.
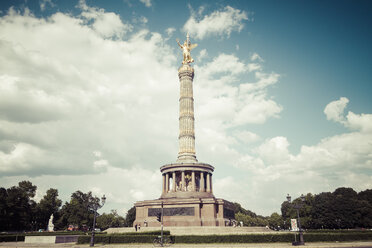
[95, 206]
[297, 206]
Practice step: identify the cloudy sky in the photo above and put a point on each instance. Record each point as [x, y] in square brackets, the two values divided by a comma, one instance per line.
[89, 96]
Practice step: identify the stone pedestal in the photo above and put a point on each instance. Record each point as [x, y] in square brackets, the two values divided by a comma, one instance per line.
[185, 212]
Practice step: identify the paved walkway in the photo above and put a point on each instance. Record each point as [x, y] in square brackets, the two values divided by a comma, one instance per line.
[267, 245]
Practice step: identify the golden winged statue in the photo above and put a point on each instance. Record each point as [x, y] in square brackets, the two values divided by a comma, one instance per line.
[186, 48]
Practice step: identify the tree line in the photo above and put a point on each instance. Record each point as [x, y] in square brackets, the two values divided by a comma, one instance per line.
[342, 209]
[19, 211]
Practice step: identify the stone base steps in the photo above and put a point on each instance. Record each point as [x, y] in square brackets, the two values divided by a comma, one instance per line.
[195, 230]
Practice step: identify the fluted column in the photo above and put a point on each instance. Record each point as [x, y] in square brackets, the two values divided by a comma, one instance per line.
[186, 152]
[202, 186]
[183, 181]
[166, 182]
[163, 178]
[174, 181]
[193, 181]
[208, 183]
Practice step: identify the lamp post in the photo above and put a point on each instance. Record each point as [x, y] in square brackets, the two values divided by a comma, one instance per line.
[297, 206]
[95, 206]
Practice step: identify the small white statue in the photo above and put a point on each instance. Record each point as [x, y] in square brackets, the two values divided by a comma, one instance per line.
[50, 224]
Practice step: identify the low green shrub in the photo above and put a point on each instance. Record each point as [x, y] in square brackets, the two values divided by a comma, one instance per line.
[55, 233]
[115, 239]
[249, 238]
[12, 238]
[353, 236]
[338, 231]
[158, 232]
[84, 239]
[244, 238]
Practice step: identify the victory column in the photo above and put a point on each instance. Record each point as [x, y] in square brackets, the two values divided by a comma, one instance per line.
[187, 194]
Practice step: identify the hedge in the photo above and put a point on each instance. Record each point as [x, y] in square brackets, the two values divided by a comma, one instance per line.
[56, 233]
[318, 237]
[145, 237]
[115, 239]
[248, 238]
[12, 238]
[338, 231]
[266, 238]
[165, 232]
[245, 238]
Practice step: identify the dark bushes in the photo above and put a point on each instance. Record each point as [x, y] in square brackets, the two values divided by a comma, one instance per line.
[247, 238]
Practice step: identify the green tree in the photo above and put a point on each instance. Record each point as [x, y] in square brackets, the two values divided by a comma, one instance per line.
[275, 221]
[248, 217]
[289, 211]
[77, 212]
[130, 217]
[47, 206]
[20, 206]
[365, 208]
[345, 205]
[239, 209]
[4, 216]
[112, 219]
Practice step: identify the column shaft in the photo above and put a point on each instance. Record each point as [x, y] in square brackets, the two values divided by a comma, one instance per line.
[183, 181]
[208, 183]
[193, 181]
[166, 182]
[211, 183]
[202, 186]
[163, 186]
[174, 181]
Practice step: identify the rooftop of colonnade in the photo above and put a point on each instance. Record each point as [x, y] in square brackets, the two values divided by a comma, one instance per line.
[187, 166]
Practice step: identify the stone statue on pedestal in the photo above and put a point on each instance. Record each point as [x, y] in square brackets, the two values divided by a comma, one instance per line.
[50, 224]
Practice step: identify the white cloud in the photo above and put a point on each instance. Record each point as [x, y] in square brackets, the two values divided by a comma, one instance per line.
[361, 122]
[224, 63]
[223, 101]
[147, 3]
[274, 151]
[44, 3]
[336, 161]
[256, 57]
[246, 136]
[220, 22]
[122, 186]
[202, 55]
[107, 24]
[170, 31]
[63, 96]
[335, 110]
